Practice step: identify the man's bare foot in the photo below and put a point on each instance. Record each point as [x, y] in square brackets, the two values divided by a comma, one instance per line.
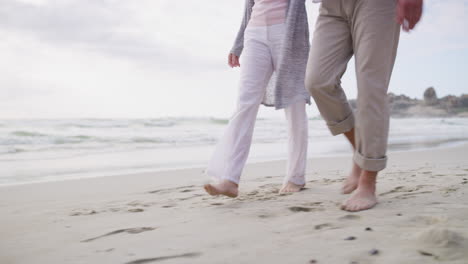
[364, 198]
[291, 187]
[225, 187]
[351, 183]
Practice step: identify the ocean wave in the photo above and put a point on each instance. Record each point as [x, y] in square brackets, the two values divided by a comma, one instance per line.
[318, 117]
[77, 139]
[173, 121]
[23, 133]
[219, 121]
[96, 125]
[12, 151]
[159, 123]
[149, 140]
[111, 134]
[36, 138]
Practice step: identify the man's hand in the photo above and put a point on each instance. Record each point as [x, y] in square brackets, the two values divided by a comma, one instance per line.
[409, 13]
[233, 60]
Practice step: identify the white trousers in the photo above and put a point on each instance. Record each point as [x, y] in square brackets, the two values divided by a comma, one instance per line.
[262, 47]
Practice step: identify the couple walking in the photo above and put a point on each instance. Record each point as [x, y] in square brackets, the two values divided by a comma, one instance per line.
[280, 70]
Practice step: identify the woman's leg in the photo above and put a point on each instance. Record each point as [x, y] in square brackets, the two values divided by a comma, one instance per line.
[297, 123]
[231, 153]
[296, 117]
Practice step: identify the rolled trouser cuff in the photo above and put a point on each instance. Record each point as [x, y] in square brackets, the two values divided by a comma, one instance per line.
[344, 126]
[370, 164]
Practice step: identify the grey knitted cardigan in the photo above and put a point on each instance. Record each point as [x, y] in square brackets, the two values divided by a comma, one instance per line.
[286, 86]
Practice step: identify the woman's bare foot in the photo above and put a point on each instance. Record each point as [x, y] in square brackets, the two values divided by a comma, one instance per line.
[351, 183]
[364, 198]
[291, 187]
[225, 187]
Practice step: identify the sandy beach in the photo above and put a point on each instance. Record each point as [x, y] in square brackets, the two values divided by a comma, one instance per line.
[166, 217]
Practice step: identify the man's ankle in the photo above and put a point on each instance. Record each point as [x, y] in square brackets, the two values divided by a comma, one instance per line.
[368, 179]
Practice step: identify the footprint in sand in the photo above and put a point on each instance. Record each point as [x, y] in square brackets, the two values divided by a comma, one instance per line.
[156, 259]
[349, 217]
[265, 215]
[300, 209]
[140, 204]
[266, 192]
[308, 207]
[448, 190]
[313, 203]
[190, 197]
[394, 190]
[404, 189]
[411, 194]
[105, 251]
[268, 186]
[83, 212]
[114, 209]
[304, 209]
[136, 230]
[323, 226]
[120, 209]
[169, 190]
[135, 210]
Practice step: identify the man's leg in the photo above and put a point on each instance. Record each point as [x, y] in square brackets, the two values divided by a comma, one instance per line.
[331, 50]
[375, 36]
[352, 181]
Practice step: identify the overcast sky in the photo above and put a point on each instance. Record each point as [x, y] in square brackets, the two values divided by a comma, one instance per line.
[156, 58]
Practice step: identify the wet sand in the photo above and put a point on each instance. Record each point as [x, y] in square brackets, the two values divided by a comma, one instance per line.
[166, 217]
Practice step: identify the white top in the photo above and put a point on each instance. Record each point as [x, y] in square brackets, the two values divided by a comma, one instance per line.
[268, 12]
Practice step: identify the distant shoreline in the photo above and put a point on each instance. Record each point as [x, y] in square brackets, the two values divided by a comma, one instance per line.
[402, 106]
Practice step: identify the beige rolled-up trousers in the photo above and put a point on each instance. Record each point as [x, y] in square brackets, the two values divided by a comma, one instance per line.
[368, 30]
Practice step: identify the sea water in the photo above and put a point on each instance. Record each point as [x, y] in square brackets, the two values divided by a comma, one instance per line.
[48, 150]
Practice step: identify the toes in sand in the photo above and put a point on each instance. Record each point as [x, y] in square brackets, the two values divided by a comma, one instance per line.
[361, 200]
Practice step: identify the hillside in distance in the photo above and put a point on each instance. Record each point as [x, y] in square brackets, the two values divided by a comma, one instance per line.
[429, 106]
